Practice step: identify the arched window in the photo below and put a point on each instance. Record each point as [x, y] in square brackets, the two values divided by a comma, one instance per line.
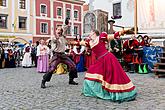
[89, 22]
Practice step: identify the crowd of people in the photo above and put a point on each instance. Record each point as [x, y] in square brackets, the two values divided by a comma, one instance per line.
[13, 55]
[133, 50]
[90, 54]
[130, 50]
[38, 55]
[10, 55]
[30, 55]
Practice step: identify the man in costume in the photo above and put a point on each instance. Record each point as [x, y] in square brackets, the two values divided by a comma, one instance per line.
[58, 44]
[116, 47]
[129, 49]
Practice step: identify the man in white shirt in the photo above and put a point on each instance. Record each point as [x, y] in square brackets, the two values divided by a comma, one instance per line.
[58, 44]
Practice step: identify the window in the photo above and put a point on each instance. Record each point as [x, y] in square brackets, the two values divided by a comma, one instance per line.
[75, 30]
[43, 9]
[59, 11]
[117, 9]
[22, 4]
[75, 14]
[44, 28]
[2, 2]
[69, 31]
[22, 22]
[3, 21]
[68, 13]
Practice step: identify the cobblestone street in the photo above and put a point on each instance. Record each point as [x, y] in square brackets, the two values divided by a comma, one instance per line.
[20, 90]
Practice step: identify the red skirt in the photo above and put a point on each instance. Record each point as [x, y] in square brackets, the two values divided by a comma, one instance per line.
[89, 60]
[108, 71]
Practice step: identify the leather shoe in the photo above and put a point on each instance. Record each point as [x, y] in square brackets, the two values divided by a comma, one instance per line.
[43, 84]
[73, 83]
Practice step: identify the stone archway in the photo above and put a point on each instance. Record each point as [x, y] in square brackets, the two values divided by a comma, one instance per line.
[89, 22]
[18, 39]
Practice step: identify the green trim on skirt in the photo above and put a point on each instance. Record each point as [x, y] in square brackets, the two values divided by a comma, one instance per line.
[94, 89]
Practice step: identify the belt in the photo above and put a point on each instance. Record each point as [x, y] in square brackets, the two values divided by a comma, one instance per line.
[102, 55]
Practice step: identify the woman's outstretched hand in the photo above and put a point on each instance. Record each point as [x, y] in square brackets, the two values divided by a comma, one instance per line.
[83, 42]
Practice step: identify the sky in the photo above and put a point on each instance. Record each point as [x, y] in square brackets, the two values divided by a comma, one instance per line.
[87, 1]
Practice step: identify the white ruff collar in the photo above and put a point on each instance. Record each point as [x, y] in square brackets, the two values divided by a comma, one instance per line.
[81, 50]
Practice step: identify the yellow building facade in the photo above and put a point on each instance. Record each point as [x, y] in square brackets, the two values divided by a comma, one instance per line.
[16, 20]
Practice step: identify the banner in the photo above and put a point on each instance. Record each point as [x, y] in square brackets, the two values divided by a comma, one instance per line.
[151, 14]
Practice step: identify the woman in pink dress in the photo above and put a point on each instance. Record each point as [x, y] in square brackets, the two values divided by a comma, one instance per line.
[106, 78]
[43, 57]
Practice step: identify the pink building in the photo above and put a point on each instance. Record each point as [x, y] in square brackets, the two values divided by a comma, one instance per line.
[48, 14]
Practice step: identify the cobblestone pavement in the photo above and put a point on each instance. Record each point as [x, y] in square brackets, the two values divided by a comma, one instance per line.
[20, 90]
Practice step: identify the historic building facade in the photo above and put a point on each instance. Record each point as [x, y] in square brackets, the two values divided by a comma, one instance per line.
[38, 19]
[150, 13]
[96, 19]
[15, 19]
[49, 14]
